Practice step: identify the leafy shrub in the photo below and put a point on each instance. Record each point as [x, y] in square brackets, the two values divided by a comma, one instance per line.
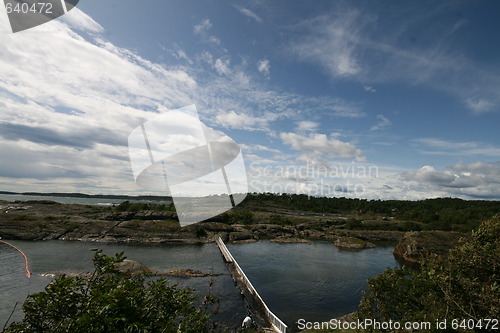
[112, 301]
[279, 220]
[123, 206]
[72, 227]
[353, 224]
[465, 285]
[201, 232]
[241, 217]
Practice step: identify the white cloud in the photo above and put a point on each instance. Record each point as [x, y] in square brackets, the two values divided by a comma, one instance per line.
[475, 180]
[252, 148]
[263, 66]
[213, 39]
[369, 89]
[179, 54]
[202, 29]
[479, 105]
[306, 126]
[382, 124]
[316, 146]
[441, 147]
[68, 105]
[83, 74]
[71, 168]
[222, 66]
[247, 12]
[428, 174]
[205, 57]
[363, 180]
[235, 120]
[332, 43]
[77, 19]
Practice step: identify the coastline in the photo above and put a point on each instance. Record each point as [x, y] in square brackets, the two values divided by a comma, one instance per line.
[46, 220]
[49, 220]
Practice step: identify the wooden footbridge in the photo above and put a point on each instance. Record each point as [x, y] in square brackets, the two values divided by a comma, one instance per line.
[246, 287]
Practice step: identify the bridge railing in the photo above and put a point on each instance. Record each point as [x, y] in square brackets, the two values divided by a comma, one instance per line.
[276, 323]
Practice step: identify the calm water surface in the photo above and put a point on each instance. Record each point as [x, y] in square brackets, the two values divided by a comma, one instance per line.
[73, 200]
[63, 256]
[313, 281]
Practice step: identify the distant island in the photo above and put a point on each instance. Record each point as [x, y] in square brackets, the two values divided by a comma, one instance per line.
[95, 196]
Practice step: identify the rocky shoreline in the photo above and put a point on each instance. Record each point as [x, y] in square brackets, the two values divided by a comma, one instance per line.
[134, 267]
[47, 220]
[352, 243]
[415, 246]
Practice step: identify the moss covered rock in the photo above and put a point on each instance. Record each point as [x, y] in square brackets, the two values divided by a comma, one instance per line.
[352, 243]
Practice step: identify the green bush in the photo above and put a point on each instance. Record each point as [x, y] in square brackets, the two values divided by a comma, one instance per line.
[201, 232]
[279, 220]
[113, 301]
[72, 227]
[353, 224]
[241, 217]
[463, 286]
[123, 206]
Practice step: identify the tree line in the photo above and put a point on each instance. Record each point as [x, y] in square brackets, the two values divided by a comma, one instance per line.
[439, 213]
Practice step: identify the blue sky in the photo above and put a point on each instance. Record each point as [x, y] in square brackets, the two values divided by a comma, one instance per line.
[405, 94]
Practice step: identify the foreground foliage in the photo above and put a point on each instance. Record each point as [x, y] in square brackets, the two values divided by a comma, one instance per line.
[112, 301]
[466, 285]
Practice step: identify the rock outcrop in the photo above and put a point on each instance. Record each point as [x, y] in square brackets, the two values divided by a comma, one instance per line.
[352, 243]
[417, 245]
[289, 239]
[134, 267]
[42, 220]
[239, 237]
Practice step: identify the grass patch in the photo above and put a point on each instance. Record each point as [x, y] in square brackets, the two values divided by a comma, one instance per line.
[354, 240]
